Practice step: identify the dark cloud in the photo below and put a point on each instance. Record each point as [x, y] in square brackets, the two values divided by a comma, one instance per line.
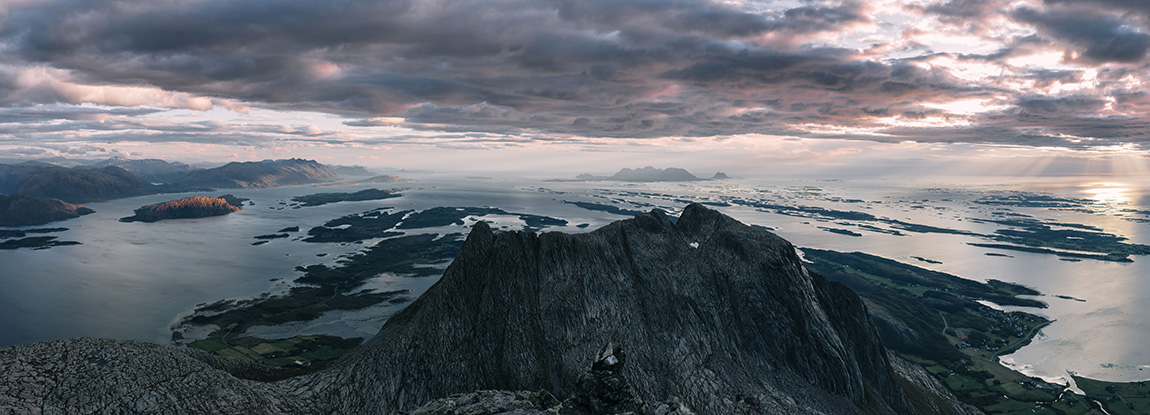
[50, 113]
[1099, 38]
[960, 10]
[26, 151]
[1061, 105]
[1139, 6]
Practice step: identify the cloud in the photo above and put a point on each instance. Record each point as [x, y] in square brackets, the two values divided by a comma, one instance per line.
[630, 69]
[1099, 38]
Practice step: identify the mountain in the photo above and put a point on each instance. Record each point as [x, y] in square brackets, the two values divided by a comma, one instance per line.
[73, 185]
[151, 170]
[720, 176]
[78, 184]
[645, 174]
[191, 207]
[351, 171]
[712, 313]
[24, 210]
[261, 174]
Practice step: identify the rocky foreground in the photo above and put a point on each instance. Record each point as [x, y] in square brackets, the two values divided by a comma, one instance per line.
[715, 317]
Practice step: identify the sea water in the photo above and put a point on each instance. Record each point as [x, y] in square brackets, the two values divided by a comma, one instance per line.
[134, 280]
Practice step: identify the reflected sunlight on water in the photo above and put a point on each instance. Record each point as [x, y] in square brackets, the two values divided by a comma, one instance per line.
[1109, 193]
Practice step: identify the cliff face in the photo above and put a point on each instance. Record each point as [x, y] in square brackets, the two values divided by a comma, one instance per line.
[23, 210]
[261, 174]
[711, 313]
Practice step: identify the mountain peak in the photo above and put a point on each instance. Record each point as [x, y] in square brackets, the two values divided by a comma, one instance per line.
[708, 308]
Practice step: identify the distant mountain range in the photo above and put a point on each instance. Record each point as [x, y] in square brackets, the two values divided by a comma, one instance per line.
[261, 174]
[43, 192]
[650, 174]
[77, 184]
[151, 170]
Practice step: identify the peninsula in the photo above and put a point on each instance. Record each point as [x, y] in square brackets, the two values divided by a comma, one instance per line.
[26, 210]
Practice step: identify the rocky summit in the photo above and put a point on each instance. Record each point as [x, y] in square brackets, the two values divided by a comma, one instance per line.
[710, 316]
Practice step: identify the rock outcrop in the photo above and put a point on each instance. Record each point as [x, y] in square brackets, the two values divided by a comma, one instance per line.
[714, 316]
[98, 376]
[261, 174]
[24, 210]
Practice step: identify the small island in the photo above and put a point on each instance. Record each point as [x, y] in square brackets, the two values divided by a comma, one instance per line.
[320, 199]
[234, 200]
[648, 174]
[192, 207]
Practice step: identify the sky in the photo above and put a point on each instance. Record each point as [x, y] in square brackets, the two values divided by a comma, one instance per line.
[1012, 87]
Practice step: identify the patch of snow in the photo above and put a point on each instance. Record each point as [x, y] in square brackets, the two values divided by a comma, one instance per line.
[694, 245]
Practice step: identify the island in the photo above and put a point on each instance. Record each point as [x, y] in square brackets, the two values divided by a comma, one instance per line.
[320, 199]
[191, 207]
[384, 179]
[648, 174]
[34, 242]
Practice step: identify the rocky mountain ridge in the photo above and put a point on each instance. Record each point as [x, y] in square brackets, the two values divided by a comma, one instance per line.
[713, 313]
